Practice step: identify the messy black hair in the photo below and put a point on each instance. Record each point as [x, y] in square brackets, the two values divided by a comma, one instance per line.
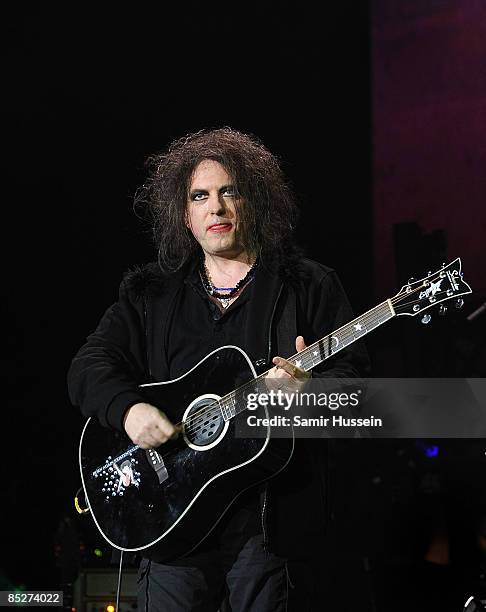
[266, 219]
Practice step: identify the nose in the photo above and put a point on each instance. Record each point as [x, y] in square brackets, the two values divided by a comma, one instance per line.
[216, 204]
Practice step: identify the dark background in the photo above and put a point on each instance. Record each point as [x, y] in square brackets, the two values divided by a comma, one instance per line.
[387, 170]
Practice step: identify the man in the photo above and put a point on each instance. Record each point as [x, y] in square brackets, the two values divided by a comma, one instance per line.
[228, 272]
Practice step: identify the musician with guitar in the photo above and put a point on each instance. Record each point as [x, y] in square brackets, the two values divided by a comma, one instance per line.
[164, 474]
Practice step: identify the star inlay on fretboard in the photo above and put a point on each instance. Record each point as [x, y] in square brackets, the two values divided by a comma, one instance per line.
[329, 345]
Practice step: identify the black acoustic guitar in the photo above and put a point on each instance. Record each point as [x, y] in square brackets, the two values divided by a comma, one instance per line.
[174, 495]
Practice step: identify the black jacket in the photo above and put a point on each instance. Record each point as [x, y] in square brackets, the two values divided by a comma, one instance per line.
[127, 349]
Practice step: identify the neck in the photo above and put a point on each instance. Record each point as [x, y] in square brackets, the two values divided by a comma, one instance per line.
[229, 267]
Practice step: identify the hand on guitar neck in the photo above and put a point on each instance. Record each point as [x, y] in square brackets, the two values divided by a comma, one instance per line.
[285, 375]
[147, 426]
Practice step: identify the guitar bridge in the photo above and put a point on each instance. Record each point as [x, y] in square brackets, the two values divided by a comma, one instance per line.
[157, 464]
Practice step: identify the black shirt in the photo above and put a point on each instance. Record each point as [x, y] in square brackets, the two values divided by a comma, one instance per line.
[198, 326]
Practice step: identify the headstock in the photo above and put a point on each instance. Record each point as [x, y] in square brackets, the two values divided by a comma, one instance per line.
[437, 287]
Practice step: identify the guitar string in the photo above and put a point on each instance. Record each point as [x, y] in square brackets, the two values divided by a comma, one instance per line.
[214, 408]
[202, 417]
[435, 303]
[198, 419]
[211, 410]
[395, 300]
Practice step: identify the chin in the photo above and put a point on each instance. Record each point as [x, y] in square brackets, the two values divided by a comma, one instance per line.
[224, 245]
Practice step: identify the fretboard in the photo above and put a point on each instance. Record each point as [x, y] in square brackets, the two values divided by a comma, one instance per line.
[338, 340]
[233, 403]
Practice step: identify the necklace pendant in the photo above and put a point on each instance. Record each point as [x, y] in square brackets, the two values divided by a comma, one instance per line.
[225, 302]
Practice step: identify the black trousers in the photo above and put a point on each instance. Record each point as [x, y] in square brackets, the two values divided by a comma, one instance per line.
[230, 571]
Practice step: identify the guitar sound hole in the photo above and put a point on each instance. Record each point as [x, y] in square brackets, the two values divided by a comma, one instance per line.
[204, 423]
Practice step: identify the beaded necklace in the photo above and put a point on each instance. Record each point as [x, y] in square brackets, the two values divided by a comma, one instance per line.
[225, 298]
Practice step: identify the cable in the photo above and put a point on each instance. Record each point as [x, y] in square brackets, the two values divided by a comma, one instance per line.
[118, 590]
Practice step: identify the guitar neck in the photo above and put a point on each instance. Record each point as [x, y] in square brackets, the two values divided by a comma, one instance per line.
[338, 340]
[314, 354]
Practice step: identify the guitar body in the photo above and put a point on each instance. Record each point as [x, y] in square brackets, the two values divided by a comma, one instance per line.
[173, 496]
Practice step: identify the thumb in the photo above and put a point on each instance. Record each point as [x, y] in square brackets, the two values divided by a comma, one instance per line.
[300, 345]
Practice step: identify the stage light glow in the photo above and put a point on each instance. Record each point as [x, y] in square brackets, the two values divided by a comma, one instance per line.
[431, 451]
[110, 608]
[98, 552]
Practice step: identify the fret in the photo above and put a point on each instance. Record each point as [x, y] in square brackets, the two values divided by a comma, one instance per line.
[222, 406]
[314, 357]
[227, 405]
[343, 337]
[235, 402]
[231, 405]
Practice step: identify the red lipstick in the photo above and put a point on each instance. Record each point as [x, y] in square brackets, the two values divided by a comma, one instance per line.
[220, 227]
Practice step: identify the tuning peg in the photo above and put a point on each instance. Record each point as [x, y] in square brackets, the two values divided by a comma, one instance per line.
[459, 303]
[426, 319]
[411, 280]
[429, 273]
[442, 309]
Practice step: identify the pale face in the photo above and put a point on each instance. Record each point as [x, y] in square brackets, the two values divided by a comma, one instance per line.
[211, 213]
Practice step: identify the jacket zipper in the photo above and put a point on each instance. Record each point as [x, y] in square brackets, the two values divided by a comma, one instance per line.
[265, 492]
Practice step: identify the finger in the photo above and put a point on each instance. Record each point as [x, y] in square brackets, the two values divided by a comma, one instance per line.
[155, 439]
[177, 431]
[277, 372]
[154, 436]
[300, 344]
[290, 369]
[162, 435]
[285, 365]
[165, 426]
[151, 438]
